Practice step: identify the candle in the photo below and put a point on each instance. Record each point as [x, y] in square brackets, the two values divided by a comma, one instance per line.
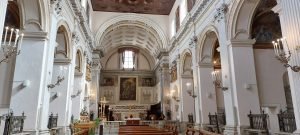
[284, 39]
[20, 43]
[213, 75]
[11, 33]
[276, 49]
[6, 28]
[273, 42]
[17, 36]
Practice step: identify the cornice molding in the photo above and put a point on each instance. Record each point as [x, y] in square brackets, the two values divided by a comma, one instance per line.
[195, 14]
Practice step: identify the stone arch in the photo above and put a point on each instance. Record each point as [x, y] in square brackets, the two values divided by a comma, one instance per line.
[240, 18]
[186, 62]
[35, 15]
[133, 20]
[79, 61]
[205, 48]
[63, 32]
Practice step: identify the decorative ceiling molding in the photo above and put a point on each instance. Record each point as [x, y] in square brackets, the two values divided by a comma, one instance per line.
[133, 20]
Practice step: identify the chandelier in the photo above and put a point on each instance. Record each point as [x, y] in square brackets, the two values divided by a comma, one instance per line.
[217, 80]
[11, 44]
[284, 57]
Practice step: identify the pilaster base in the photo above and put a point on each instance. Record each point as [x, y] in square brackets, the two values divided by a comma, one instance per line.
[230, 130]
[297, 132]
[235, 130]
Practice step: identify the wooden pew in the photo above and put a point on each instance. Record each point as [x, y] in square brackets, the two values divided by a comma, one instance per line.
[192, 131]
[143, 130]
[172, 128]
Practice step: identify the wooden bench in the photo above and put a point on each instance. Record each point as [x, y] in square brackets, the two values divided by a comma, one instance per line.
[143, 130]
[172, 128]
[192, 131]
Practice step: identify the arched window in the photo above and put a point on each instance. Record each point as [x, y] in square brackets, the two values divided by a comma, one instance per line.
[128, 59]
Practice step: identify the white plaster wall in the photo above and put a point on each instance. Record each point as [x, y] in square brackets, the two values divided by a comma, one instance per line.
[76, 104]
[6, 76]
[269, 72]
[188, 101]
[101, 17]
[143, 63]
[113, 62]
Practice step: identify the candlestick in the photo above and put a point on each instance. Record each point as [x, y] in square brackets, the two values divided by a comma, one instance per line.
[17, 36]
[20, 43]
[4, 41]
[11, 33]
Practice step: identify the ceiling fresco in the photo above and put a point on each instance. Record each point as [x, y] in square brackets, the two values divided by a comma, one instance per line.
[160, 7]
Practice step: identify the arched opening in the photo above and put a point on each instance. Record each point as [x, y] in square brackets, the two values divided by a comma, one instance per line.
[270, 81]
[187, 88]
[62, 48]
[265, 29]
[212, 99]
[12, 20]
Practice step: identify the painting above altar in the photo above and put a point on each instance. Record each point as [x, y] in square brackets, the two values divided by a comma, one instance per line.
[127, 88]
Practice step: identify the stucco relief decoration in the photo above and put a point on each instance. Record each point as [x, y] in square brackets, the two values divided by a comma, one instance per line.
[75, 37]
[221, 11]
[174, 73]
[128, 88]
[88, 75]
[57, 6]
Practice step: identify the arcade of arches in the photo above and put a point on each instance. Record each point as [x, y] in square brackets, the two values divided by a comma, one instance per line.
[176, 60]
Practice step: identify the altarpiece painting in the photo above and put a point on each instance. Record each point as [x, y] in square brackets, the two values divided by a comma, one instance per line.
[127, 88]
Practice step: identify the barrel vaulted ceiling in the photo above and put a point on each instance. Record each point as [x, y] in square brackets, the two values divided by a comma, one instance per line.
[162, 7]
[131, 35]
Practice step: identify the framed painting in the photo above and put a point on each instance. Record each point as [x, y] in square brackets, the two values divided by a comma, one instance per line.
[128, 88]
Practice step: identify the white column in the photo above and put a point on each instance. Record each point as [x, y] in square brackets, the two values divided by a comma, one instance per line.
[290, 25]
[196, 86]
[207, 93]
[61, 104]
[3, 6]
[95, 89]
[238, 69]
[165, 80]
[31, 65]
[76, 96]
[243, 74]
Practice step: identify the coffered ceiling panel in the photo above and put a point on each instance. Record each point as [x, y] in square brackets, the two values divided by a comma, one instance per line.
[162, 7]
[131, 36]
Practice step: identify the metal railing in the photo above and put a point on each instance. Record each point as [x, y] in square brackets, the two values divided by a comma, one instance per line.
[13, 124]
[286, 121]
[259, 121]
[52, 121]
[217, 120]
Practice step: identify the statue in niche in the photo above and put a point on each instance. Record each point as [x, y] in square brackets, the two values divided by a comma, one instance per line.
[174, 73]
[88, 76]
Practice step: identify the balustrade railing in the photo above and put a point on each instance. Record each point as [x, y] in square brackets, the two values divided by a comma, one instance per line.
[216, 121]
[259, 121]
[13, 124]
[287, 122]
[52, 121]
